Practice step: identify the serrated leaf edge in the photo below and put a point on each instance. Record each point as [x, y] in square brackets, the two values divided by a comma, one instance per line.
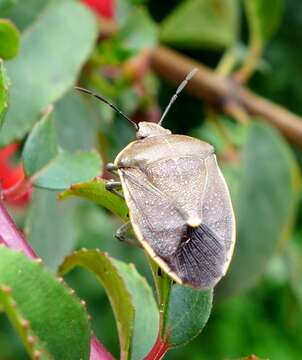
[32, 343]
[65, 267]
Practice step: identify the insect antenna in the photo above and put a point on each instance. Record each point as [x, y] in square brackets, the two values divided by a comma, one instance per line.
[106, 101]
[178, 91]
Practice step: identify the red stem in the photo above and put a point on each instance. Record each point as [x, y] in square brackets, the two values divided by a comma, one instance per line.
[159, 350]
[11, 236]
[98, 352]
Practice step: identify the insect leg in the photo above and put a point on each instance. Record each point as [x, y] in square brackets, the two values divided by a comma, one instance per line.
[125, 234]
[111, 167]
[113, 186]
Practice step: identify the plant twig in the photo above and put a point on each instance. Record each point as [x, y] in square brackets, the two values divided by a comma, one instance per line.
[227, 62]
[249, 66]
[256, 45]
[218, 90]
[237, 111]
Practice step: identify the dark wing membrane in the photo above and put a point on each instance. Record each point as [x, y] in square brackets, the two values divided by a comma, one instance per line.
[200, 258]
[153, 213]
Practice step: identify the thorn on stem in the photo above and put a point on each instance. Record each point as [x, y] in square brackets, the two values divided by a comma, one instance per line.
[30, 340]
[25, 324]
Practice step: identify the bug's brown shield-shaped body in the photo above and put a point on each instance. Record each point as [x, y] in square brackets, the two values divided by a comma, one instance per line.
[179, 204]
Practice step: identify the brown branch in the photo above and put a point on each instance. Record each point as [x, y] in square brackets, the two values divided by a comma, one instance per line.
[219, 91]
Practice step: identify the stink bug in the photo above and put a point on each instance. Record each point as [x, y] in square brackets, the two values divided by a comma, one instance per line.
[179, 204]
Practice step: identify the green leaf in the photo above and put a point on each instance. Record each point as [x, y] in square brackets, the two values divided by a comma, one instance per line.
[6, 5]
[51, 227]
[25, 13]
[221, 132]
[3, 92]
[8, 304]
[188, 312]
[41, 145]
[52, 168]
[293, 261]
[264, 18]
[146, 322]
[184, 311]
[48, 64]
[9, 39]
[253, 357]
[265, 201]
[76, 123]
[102, 265]
[123, 10]
[95, 191]
[130, 296]
[55, 316]
[139, 31]
[202, 23]
[68, 169]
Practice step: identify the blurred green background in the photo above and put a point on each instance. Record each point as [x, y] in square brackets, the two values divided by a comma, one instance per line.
[258, 306]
